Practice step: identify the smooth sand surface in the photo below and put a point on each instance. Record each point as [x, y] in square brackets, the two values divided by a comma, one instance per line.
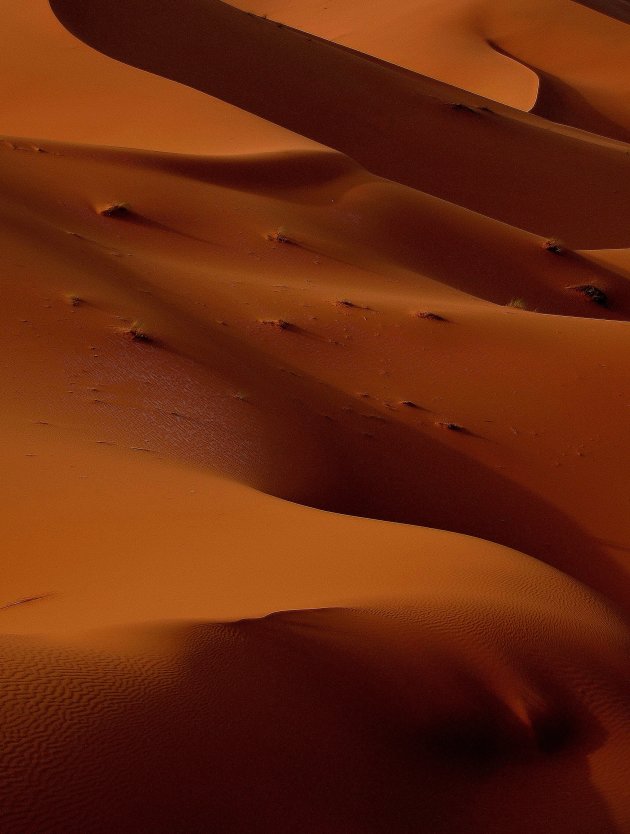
[315, 352]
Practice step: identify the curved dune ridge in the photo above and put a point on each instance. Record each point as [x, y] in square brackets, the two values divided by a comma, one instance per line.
[315, 361]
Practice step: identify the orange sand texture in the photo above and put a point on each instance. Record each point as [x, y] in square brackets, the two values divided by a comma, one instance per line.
[315, 450]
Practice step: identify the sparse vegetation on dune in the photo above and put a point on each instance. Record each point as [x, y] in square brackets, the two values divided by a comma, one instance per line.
[555, 247]
[281, 236]
[279, 324]
[139, 334]
[592, 293]
[449, 426]
[517, 303]
[464, 108]
[117, 209]
[430, 316]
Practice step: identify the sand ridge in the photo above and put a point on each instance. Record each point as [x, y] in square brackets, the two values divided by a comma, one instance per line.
[433, 121]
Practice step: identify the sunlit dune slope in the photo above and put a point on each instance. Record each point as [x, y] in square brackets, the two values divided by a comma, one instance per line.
[56, 87]
[447, 41]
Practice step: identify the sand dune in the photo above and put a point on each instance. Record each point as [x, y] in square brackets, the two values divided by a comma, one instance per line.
[314, 369]
[55, 87]
[556, 58]
[373, 719]
[405, 128]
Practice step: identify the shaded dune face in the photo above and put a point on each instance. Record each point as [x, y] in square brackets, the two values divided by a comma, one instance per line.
[561, 61]
[615, 8]
[429, 144]
[334, 720]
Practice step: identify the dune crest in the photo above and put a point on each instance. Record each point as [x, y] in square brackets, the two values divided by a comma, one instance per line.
[436, 122]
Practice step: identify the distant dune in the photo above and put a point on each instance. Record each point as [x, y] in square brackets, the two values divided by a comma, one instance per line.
[315, 356]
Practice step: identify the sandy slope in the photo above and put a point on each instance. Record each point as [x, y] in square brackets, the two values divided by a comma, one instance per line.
[452, 713]
[566, 62]
[336, 379]
[309, 526]
[447, 41]
[56, 87]
[399, 125]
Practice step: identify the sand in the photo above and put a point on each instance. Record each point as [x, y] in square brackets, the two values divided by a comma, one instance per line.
[315, 352]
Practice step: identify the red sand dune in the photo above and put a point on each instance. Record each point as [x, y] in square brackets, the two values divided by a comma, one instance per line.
[315, 359]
